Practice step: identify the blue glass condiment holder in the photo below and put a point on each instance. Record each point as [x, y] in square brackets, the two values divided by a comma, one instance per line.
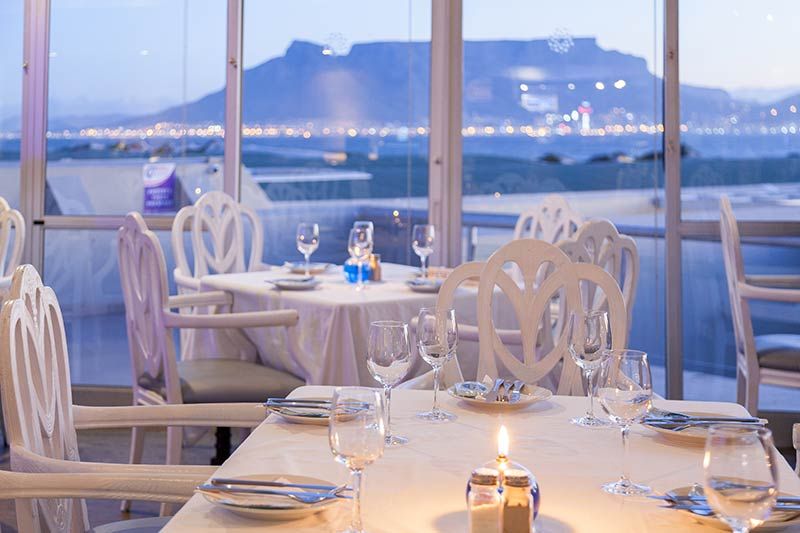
[350, 270]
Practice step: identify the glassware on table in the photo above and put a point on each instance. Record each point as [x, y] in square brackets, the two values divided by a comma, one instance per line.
[589, 338]
[307, 241]
[389, 360]
[364, 224]
[423, 237]
[740, 475]
[437, 339]
[359, 244]
[356, 434]
[625, 390]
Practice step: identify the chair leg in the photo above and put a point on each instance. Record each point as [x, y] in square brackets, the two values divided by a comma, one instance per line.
[223, 446]
[752, 395]
[174, 445]
[741, 387]
[137, 447]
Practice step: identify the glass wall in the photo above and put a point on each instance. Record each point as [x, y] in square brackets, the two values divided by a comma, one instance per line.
[136, 105]
[740, 136]
[11, 24]
[335, 121]
[566, 99]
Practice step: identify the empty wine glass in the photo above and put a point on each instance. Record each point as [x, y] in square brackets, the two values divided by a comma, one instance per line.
[364, 224]
[740, 475]
[589, 339]
[359, 244]
[437, 339]
[423, 237]
[356, 436]
[625, 389]
[307, 241]
[389, 360]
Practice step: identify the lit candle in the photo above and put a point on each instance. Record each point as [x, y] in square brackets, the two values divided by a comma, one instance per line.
[502, 449]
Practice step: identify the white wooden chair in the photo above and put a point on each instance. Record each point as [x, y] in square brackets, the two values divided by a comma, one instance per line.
[42, 421]
[541, 357]
[598, 242]
[550, 221]
[772, 359]
[217, 237]
[158, 378]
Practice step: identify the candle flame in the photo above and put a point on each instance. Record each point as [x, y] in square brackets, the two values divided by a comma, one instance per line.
[502, 442]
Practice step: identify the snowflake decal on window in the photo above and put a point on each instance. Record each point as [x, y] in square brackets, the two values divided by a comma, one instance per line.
[560, 41]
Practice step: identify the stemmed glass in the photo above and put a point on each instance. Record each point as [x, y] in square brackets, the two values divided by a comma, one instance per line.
[423, 237]
[590, 337]
[365, 224]
[389, 360]
[625, 389]
[437, 338]
[356, 436]
[307, 241]
[359, 244]
[740, 475]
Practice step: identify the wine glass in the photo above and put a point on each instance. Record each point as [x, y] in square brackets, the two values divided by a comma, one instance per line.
[356, 437]
[423, 237]
[740, 475]
[625, 389]
[389, 360]
[437, 338]
[359, 244]
[589, 339]
[365, 224]
[307, 241]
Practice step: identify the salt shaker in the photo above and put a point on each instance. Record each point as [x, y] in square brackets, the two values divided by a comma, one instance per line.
[484, 502]
[518, 505]
[375, 267]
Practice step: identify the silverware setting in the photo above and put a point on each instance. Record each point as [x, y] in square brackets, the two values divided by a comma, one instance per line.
[706, 510]
[687, 424]
[264, 483]
[505, 391]
[702, 499]
[660, 414]
[309, 497]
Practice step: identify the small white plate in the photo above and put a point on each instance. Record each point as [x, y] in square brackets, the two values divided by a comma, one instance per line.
[300, 415]
[530, 394]
[300, 284]
[777, 522]
[429, 285]
[691, 436]
[299, 267]
[269, 507]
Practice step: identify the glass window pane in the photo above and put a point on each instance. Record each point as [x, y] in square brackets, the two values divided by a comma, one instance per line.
[335, 121]
[11, 23]
[740, 94]
[136, 105]
[566, 98]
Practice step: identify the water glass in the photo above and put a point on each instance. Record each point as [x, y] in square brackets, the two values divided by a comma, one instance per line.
[437, 339]
[359, 245]
[307, 241]
[589, 338]
[625, 390]
[364, 224]
[423, 236]
[389, 360]
[740, 475]
[356, 436]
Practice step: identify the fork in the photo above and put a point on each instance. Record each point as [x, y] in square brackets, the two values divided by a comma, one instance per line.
[299, 496]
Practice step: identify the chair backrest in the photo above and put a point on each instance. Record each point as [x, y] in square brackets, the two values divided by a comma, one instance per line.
[599, 243]
[37, 398]
[217, 236]
[143, 275]
[12, 238]
[734, 273]
[550, 221]
[547, 273]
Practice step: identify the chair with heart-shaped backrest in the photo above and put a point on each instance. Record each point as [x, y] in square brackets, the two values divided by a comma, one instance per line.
[158, 378]
[42, 421]
[598, 242]
[546, 273]
[550, 221]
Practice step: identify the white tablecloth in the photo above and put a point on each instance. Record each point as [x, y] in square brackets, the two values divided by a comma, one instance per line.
[420, 487]
[329, 344]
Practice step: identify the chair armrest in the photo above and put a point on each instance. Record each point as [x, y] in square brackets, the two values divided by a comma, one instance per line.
[115, 486]
[257, 319]
[188, 282]
[752, 292]
[247, 415]
[199, 298]
[776, 281]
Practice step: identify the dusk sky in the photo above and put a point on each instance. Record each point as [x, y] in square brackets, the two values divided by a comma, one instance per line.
[143, 55]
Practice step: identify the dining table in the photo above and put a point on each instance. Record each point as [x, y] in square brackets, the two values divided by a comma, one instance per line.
[420, 487]
[329, 343]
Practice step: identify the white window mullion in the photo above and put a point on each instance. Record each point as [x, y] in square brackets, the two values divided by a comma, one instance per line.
[233, 99]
